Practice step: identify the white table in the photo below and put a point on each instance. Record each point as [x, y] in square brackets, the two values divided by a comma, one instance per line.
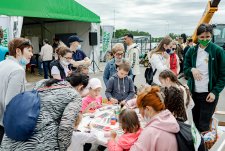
[99, 132]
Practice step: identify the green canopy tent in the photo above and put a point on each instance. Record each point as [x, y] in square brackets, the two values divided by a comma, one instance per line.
[50, 18]
[53, 9]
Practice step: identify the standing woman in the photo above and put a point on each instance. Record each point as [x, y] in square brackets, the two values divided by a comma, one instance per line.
[60, 67]
[159, 58]
[205, 68]
[12, 73]
[174, 59]
[60, 104]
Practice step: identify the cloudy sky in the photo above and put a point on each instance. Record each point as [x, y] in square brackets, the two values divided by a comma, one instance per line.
[158, 17]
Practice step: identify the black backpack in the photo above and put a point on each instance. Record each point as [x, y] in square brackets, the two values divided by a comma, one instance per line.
[149, 73]
[185, 140]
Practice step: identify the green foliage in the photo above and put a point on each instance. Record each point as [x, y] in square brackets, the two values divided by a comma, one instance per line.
[122, 32]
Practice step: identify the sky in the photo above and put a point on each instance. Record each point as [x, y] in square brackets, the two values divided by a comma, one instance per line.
[158, 17]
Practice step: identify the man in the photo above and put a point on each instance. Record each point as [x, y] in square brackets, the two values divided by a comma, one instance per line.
[46, 56]
[133, 54]
[79, 57]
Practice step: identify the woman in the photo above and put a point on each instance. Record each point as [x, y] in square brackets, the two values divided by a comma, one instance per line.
[167, 78]
[111, 66]
[161, 126]
[174, 59]
[60, 68]
[60, 105]
[159, 58]
[205, 68]
[12, 73]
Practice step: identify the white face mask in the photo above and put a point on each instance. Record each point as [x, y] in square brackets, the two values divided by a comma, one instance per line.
[79, 47]
[65, 63]
[146, 118]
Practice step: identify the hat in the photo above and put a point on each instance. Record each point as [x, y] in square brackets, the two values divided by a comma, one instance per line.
[73, 39]
[94, 83]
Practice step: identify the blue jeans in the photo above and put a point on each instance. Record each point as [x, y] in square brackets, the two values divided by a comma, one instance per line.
[46, 66]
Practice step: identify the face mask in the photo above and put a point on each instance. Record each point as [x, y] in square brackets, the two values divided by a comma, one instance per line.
[79, 47]
[204, 42]
[146, 118]
[168, 51]
[172, 52]
[65, 63]
[23, 62]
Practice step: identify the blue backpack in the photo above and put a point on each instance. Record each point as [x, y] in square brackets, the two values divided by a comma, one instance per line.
[21, 115]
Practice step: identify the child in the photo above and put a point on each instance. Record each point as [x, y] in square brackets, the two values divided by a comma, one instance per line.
[82, 69]
[120, 87]
[130, 124]
[80, 138]
[93, 100]
[167, 79]
[174, 102]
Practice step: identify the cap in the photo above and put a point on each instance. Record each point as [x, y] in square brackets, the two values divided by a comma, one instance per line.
[74, 38]
[94, 83]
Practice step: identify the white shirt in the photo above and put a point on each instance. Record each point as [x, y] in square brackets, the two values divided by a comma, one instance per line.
[160, 63]
[79, 139]
[46, 52]
[133, 55]
[55, 70]
[202, 66]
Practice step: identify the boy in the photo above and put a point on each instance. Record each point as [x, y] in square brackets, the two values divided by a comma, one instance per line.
[120, 87]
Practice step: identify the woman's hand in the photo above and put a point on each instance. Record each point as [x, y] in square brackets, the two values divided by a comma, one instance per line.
[210, 98]
[196, 74]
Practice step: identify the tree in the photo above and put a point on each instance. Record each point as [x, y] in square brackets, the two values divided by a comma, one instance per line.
[122, 32]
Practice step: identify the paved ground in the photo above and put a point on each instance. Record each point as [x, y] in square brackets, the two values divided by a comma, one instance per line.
[139, 80]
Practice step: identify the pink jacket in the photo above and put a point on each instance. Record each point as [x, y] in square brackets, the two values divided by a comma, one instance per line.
[124, 142]
[88, 99]
[159, 134]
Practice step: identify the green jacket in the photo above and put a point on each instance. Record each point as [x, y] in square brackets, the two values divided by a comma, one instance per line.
[216, 67]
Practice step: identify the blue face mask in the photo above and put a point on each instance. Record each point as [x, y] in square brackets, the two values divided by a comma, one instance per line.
[23, 62]
[168, 51]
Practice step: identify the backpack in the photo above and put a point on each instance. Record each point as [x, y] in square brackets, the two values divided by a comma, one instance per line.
[185, 139]
[149, 74]
[21, 115]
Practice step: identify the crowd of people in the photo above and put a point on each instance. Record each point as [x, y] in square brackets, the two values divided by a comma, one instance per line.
[68, 92]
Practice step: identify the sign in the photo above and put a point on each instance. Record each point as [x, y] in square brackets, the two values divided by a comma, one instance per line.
[12, 26]
[107, 33]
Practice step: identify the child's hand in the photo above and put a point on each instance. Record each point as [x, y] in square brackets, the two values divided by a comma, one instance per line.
[114, 101]
[113, 134]
[93, 105]
[123, 103]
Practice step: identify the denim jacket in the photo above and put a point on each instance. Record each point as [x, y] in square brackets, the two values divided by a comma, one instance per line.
[110, 70]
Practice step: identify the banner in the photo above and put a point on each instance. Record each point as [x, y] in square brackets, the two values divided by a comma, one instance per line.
[12, 27]
[107, 33]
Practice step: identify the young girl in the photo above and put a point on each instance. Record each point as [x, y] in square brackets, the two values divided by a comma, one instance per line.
[93, 100]
[159, 58]
[168, 79]
[130, 124]
[174, 102]
[174, 59]
[80, 138]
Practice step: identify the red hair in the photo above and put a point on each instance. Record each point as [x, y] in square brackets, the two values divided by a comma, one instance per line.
[151, 96]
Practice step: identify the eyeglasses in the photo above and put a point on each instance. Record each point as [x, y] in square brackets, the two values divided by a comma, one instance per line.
[68, 58]
[119, 54]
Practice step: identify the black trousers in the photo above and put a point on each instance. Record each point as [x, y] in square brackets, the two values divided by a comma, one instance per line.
[203, 111]
[1, 133]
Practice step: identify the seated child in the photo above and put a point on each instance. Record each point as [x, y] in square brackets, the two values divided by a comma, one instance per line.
[130, 124]
[120, 87]
[93, 100]
[79, 139]
[82, 69]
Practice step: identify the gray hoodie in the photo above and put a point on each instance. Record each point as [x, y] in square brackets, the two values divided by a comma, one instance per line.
[120, 88]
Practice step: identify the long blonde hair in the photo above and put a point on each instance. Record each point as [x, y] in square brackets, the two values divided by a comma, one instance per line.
[160, 48]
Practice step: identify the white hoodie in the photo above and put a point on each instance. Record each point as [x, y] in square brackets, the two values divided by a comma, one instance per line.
[133, 56]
